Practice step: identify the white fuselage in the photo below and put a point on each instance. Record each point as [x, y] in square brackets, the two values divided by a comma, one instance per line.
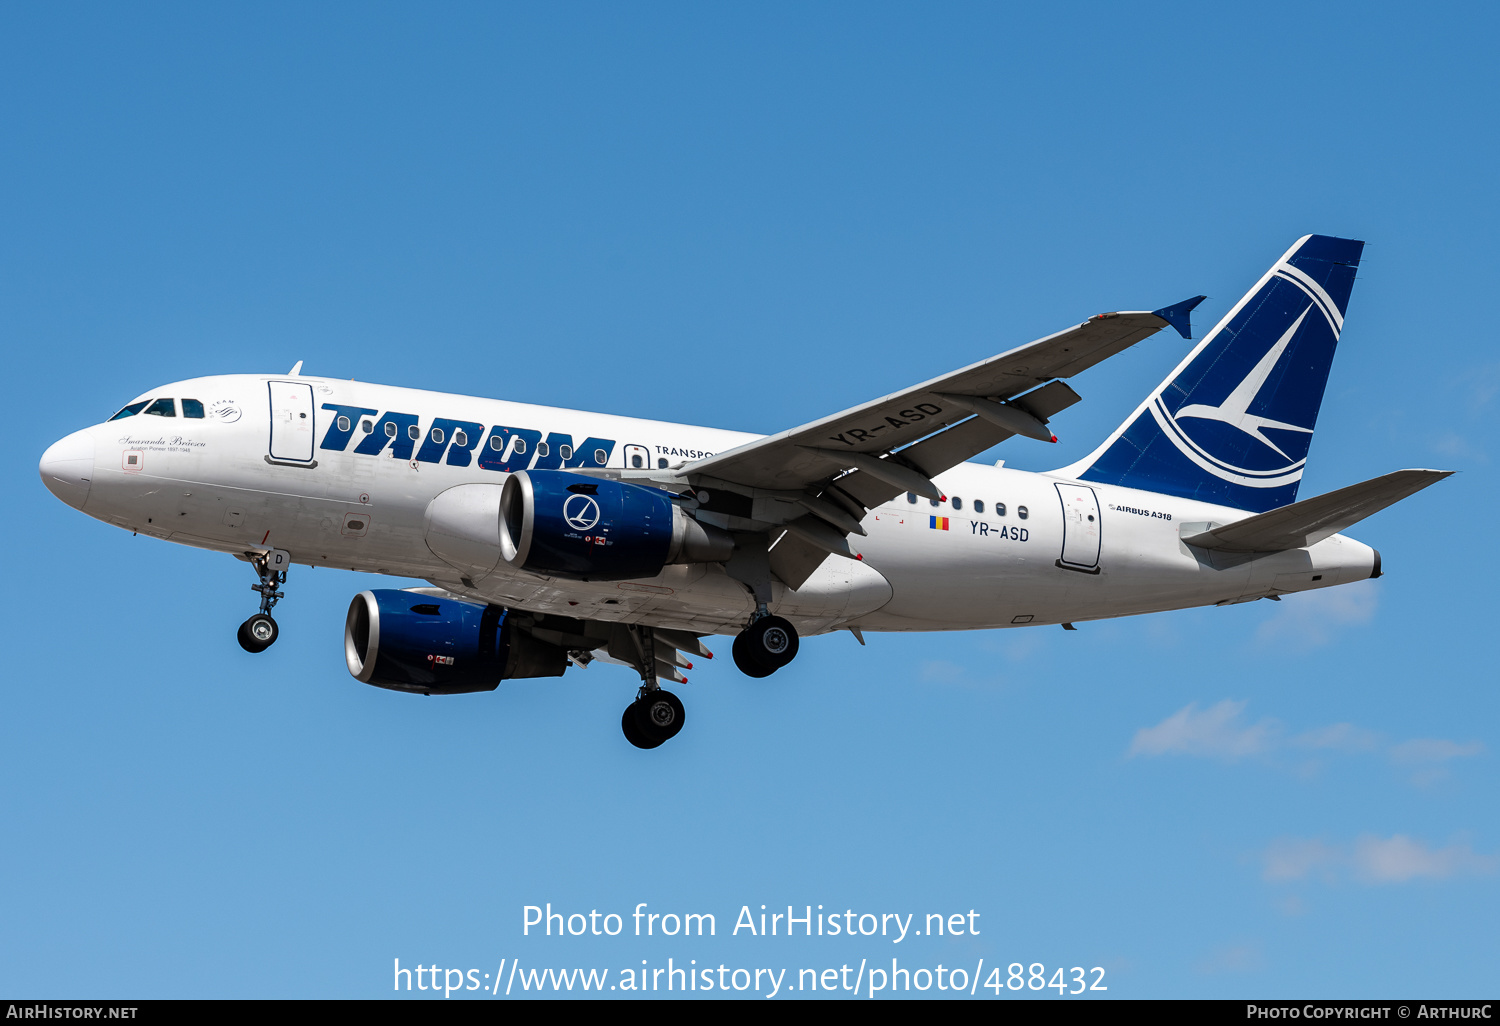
[211, 482]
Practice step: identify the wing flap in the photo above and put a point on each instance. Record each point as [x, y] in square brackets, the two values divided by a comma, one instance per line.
[929, 457]
[1311, 520]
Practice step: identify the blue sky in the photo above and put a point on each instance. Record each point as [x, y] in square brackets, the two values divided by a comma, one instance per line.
[746, 216]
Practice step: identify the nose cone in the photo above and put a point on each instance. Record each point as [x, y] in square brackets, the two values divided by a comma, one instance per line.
[68, 466]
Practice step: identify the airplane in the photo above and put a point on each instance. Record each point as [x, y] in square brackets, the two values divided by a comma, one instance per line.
[549, 538]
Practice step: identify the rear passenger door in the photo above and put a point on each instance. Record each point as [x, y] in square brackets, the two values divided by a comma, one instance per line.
[1080, 508]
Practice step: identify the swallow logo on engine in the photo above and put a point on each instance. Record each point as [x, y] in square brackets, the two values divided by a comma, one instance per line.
[581, 512]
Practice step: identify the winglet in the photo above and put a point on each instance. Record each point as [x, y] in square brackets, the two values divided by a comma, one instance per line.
[1177, 316]
[296, 370]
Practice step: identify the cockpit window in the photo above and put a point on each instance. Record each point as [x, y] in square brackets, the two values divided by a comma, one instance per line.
[131, 410]
[162, 408]
[192, 408]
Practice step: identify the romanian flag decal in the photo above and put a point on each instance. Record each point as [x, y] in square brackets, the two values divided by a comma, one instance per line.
[940, 523]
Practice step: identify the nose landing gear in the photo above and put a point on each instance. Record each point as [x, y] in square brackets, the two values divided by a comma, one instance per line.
[768, 644]
[260, 631]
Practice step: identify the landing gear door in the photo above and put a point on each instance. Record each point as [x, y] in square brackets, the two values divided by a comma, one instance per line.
[1080, 508]
[291, 422]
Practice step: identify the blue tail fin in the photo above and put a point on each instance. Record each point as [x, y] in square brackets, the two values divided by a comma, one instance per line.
[1233, 423]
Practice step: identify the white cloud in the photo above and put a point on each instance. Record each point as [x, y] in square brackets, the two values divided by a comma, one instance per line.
[1459, 447]
[1427, 757]
[1025, 645]
[1290, 905]
[1432, 750]
[941, 671]
[1399, 858]
[1238, 958]
[1310, 619]
[1162, 632]
[1292, 858]
[1222, 732]
[1215, 732]
[1372, 860]
[1484, 385]
[1340, 737]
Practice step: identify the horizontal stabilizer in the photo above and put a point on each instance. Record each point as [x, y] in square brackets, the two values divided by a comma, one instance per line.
[1311, 520]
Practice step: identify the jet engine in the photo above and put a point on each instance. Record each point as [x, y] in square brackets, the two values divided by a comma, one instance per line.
[584, 528]
[409, 641]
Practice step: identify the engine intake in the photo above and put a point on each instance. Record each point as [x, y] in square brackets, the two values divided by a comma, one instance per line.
[568, 525]
[407, 641]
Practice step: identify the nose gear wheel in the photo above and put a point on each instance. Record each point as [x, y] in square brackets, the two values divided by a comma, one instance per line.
[258, 633]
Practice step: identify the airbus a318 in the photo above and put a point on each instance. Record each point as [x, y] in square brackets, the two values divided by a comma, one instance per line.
[550, 538]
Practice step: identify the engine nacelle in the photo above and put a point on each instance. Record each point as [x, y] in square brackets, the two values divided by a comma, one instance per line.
[407, 641]
[585, 528]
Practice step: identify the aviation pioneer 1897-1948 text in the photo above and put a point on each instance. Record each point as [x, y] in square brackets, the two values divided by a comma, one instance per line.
[552, 537]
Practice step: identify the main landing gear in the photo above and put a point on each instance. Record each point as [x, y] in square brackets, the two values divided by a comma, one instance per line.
[656, 715]
[260, 631]
[764, 647]
[653, 719]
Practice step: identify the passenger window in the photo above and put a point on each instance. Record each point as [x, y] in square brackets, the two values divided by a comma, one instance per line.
[366, 426]
[390, 429]
[936, 502]
[999, 509]
[131, 410]
[601, 457]
[978, 505]
[437, 435]
[162, 408]
[958, 503]
[565, 451]
[413, 432]
[543, 449]
[911, 497]
[661, 464]
[637, 461]
[461, 439]
[343, 422]
[192, 408]
[1021, 512]
[497, 442]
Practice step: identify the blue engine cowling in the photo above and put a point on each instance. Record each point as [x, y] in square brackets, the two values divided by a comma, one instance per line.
[585, 528]
[408, 641]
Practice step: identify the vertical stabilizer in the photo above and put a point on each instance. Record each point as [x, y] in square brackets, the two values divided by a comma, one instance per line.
[1233, 423]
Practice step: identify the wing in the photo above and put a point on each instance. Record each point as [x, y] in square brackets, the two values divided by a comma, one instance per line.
[804, 456]
[803, 491]
[825, 475]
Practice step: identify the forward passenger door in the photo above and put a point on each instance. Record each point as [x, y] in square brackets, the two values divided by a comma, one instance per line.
[291, 422]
